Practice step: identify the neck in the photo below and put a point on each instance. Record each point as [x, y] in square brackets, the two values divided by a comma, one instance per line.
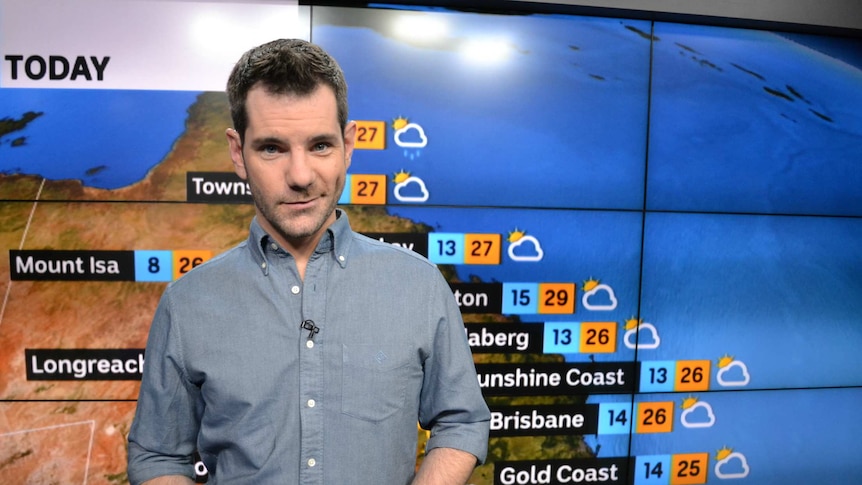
[301, 248]
[301, 253]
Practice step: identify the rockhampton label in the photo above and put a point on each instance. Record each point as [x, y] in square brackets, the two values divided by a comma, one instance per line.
[84, 364]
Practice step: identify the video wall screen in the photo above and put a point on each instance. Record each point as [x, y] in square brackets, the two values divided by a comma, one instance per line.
[653, 230]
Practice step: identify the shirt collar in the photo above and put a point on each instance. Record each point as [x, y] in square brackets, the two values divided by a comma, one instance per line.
[336, 241]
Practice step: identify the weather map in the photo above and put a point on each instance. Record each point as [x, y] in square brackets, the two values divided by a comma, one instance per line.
[651, 230]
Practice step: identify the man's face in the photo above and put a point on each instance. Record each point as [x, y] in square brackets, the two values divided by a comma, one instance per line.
[295, 160]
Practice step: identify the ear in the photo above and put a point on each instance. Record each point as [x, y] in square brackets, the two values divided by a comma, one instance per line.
[235, 147]
[349, 142]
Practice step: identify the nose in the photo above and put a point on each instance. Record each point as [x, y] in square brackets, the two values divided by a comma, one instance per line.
[299, 172]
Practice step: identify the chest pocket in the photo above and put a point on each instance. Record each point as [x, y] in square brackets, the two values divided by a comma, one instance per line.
[374, 380]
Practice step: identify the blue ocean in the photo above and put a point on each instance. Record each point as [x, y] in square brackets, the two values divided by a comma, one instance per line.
[105, 138]
[782, 295]
[572, 114]
[771, 291]
[552, 123]
[750, 135]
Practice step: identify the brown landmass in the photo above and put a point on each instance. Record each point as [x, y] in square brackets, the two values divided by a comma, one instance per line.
[64, 442]
[50, 431]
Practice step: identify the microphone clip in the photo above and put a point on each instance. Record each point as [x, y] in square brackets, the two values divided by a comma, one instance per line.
[311, 327]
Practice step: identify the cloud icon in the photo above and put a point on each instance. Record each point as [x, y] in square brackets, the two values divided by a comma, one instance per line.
[609, 303]
[734, 465]
[650, 341]
[734, 374]
[699, 415]
[412, 189]
[527, 248]
[411, 135]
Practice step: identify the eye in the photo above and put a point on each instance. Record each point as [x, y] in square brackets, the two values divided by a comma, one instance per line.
[269, 151]
[321, 147]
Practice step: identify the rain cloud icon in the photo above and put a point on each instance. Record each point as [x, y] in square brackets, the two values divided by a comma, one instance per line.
[412, 135]
[411, 189]
[526, 248]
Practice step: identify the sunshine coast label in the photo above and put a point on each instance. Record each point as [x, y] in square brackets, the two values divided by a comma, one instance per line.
[64, 265]
[556, 379]
[84, 364]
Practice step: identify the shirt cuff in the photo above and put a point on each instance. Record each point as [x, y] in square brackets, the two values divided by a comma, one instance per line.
[469, 437]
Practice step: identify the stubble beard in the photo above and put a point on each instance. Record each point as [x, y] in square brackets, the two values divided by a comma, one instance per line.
[293, 226]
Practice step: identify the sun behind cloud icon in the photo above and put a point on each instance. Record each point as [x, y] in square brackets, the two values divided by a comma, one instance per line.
[399, 123]
[515, 234]
[732, 372]
[696, 414]
[408, 134]
[409, 188]
[523, 247]
[730, 464]
[634, 339]
[591, 287]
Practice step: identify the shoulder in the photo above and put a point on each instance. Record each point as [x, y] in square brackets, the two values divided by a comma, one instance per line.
[366, 247]
[223, 267]
[394, 264]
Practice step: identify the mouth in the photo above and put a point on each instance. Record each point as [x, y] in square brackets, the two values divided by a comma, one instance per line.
[300, 204]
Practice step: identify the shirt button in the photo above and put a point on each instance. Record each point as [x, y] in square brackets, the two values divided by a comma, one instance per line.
[274, 246]
[311, 403]
[309, 343]
[295, 290]
[263, 265]
[312, 462]
[341, 258]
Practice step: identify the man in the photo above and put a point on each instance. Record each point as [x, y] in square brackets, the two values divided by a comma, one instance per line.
[308, 353]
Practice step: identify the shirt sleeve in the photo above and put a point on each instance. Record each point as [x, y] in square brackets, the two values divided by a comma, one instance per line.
[164, 432]
[451, 404]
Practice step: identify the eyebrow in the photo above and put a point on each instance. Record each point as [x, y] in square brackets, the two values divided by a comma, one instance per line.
[274, 140]
[330, 137]
[269, 140]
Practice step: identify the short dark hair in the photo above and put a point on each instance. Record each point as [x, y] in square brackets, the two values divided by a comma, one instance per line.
[284, 66]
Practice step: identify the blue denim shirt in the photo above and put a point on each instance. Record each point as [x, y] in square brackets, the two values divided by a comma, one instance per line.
[230, 372]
